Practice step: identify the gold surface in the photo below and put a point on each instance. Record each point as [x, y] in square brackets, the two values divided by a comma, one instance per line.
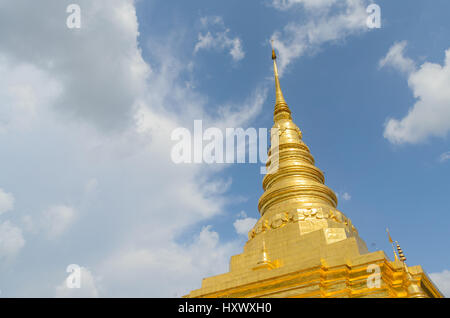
[302, 245]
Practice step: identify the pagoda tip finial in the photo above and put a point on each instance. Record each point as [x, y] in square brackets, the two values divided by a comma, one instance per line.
[281, 108]
[274, 56]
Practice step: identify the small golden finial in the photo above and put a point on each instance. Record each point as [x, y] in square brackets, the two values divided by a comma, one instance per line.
[400, 252]
[392, 242]
[264, 258]
[402, 258]
[264, 261]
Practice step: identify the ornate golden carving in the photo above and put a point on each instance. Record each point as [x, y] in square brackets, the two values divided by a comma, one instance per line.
[300, 215]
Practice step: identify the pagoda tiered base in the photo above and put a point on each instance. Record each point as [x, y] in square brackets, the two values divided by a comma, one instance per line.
[309, 266]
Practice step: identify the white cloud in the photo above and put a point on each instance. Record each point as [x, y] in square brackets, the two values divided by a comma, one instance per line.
[444, 157]
[57, 219]
[167, 270]
[396, 59]
[220, 39]
[88, 287]
[52, 222]
[244, 224]
[11, 240]
[6, 201]
[442, 280]
[430, 115]
[70, 58]
[127, 110]
[24, 91]
[329, 21]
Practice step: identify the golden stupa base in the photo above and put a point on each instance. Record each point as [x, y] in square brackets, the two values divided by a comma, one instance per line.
[315, 268]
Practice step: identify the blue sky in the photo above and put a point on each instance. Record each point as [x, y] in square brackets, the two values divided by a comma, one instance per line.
[87, 114]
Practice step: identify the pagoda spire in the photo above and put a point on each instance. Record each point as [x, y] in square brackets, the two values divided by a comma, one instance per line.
[296, 183]
[281, 108]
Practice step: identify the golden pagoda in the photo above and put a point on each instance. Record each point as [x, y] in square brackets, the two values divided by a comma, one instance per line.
[302, 245]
